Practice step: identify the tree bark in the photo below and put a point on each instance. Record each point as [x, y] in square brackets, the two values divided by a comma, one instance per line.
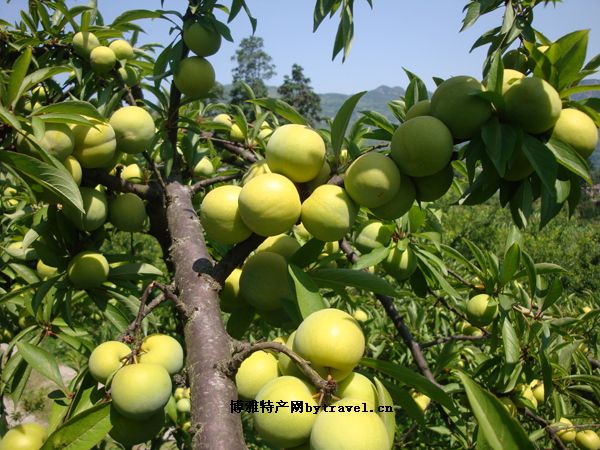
[207, 342]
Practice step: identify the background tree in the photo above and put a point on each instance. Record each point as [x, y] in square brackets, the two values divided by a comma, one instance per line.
[254, 67]
[297, 91]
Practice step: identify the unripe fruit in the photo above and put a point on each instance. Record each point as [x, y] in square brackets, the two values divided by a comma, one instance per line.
[537, 388]
[230, 298]
[587, 440]
[27, 436]
[184, 405]
[128, 213]
[88, 270]
[358, 387]
[224, 119]
[236, 134]
[456, 104]
[44, 270]
[122, 49]
[256, 371]
[130, 432]
[509, 77]
[281, 244]
[133, 173]
[74, 168]
[328, 213]
[106, 359]
[465, 327]
[515, 60]
[524, 392]
[102, 59]
[134, 129]
[372, 234]
[433, 187]
[58, 140]
[95, 207]
[264, 281]
[566, 434]
[509, 405]
[481, 310]
[129, 76]
[162, 350]
[260, 167]
[332, 339]
[400, 204]
[372, 180]
[356, 430]
[204, 168]
[421, 146]
[140, 390]
[400, 263]
[578, 130]
[195, 77]
[284, 428]
[295, 151]
[203, 39]
[533, 104]
[519, 166]
[220, 215]
[421, 108]
[269, 204]
[84, 42]
[94, 146]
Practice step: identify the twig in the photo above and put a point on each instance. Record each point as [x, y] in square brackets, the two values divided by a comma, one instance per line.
[95, 176]
[234, 257]
[155, 170]
[456, 337]
[198, 186]
[594, 362]
[551, 431]
[232, 147]
[462, 279]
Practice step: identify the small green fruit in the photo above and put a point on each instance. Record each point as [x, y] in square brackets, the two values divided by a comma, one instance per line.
[220, 215]
[106, 359]
[27, 436]
[255, 372]
[201, 38]
[88, 270]
[264, 281]
[328, 213]
[372, 180]
[481, 310]
[163, 350]
[422, 108]
[122, 49]
[134, 129]
[127, 212]
[94, 146]
[195, 77]
[102, 59]
[84, 42]
[95, 207]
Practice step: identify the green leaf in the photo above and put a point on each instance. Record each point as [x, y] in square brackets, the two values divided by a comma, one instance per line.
[579, 89]
[306, 291]
[542, 160]
[37, 77]
[412, 379]
[472, 14]
[341, 121]
[499, 428]
[76, 107]
[416, 90]
[9, 118]
[281, 108]
[308, 253]
[512, 352]
[340, 279]
[568, 54]
[569, 158]
[19, 70]
[372, 258]
[42, 361]
[83, 431]
[134, 271]
[136, 14]
[55, 179]
[510, 263]
[389, 418]
[239, 321]
[500, 141]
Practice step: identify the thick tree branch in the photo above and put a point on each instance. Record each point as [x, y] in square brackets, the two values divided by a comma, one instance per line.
[200, 185]
[207, 342]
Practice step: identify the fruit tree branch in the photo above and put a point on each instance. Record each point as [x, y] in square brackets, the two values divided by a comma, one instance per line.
[118, 184]
[232, 147]
[456, 337]
[234, 257]
[200, 185]
[551, 430]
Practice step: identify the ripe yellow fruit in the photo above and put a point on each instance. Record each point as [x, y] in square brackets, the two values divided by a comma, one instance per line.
[360, 315]
[236, 134]
[533, 104]
[537, 388]
[372, 180]
[163, 350]
[422, 146]
[358, 387]
[224, 119]
[269, 204]
[433, 187]
[106, 359]
[204, 168]
[184, 405]
[127, 212]
[456, 104]
[400, 263]
[88, 270]
[122, 49]
[133, 173]
[84, 42]
[465, 327]
[421, 108]
[129, 76]
[566, 434]
[134, 129]
[230, 297]
[254, 373]
[421, 399]
[295, 151]
[220, 215]
[524, 392]
[258, 168]
[328, 213]
[509, 77]
[371, 235]
[332, 339]
[578, 130]
[44, 270]
[94, 146]
[27, 436]
[587, 440]
[481, 310]
[349, 427]
[281, 244]
[400, 204]
[201, 38]
[140, 390]
[95, 207]
[74, 168]
[264, 281]
[283, 428]
[130, 432]
[102, 59]
[195, 77]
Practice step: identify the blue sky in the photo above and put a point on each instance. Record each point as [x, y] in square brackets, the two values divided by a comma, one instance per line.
[422, 36]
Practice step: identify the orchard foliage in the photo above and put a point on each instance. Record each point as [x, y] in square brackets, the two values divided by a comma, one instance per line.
[141, 223]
